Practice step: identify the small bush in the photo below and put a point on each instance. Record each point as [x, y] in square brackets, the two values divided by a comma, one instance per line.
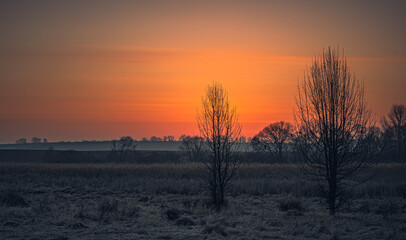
[364, 208]
[208, 203]
[172, 214]
[130, 210]
[291, 204]
[189, 205]
[185, 221]
[387, 208]
[219, 229]
[12, 198]
[42, 206]
[80, 211]
[77, 225]
[108, 210]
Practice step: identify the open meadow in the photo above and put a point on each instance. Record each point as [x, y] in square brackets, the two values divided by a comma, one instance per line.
[169, 201]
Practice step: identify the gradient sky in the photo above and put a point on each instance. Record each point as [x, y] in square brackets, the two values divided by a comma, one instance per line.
[73, 70]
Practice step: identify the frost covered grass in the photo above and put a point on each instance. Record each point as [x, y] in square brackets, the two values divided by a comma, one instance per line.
[169, 201]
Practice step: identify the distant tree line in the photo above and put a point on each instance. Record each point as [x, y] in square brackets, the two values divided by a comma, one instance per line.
[33, 140]
[278, 141]
[169, 138]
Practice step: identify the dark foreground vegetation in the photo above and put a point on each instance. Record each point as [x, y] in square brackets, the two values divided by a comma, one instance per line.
[169, 201]
[138, 156]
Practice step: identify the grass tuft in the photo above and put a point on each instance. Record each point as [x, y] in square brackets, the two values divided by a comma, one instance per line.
[291, 204]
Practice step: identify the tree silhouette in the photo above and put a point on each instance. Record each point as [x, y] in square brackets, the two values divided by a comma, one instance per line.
[123, 149]
[333, 120]
[36, 140]
[273, 138]
[169, 138]
[155, 139]
[395, 128]
[21, 141]
[218, 125]
[192, 146]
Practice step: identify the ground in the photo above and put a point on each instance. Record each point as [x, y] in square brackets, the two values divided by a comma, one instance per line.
[168, 201]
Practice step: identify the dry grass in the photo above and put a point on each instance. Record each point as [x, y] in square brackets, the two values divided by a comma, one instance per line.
[168, 201]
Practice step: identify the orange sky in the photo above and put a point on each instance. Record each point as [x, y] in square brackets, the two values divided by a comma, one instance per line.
[100, 70]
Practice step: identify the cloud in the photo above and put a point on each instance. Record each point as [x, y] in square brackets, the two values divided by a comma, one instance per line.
[140, 54]
[377, 59]
[91, 53]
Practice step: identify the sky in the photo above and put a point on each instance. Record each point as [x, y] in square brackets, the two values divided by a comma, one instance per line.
[73, 70]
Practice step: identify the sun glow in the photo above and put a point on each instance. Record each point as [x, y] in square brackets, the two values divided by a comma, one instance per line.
[135, 68]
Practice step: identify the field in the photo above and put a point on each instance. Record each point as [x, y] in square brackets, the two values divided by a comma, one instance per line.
[169, 201]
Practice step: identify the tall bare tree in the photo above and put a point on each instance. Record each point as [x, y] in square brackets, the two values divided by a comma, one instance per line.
[219, 126]
[273, 138]
[333, 122]
[395, 126]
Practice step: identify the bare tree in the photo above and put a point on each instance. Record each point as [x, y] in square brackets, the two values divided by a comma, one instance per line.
[169, 138]
[333, 122]
[155, 139]
[218, 125]
[273, 138]
[21, 141]
[242, 139]
[192, 146]
[36, 140]
[395, 128]
[123, 149]
[181, 137]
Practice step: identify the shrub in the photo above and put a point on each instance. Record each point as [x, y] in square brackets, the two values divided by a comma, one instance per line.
[107, 210]
[387, 208]
[172, 214]
[219, 229]
[364, 207]
[189, 205]
[185, 221]
[78, 225]
[12, 198]
[130, 209]
[80, 211]
[110, 210]
[290, 204]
